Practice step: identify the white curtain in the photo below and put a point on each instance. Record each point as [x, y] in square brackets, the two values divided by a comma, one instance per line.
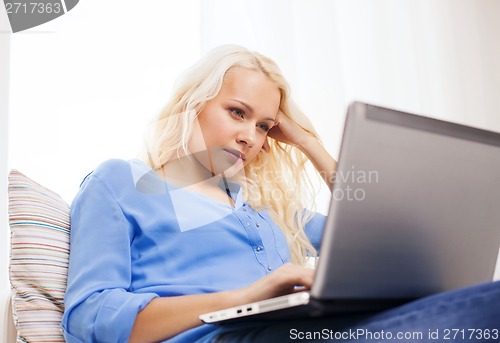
[436, 58]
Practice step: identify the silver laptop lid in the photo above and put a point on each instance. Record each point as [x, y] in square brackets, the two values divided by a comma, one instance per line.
[415, 208]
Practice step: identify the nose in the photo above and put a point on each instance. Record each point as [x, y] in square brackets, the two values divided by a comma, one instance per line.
[247, 135]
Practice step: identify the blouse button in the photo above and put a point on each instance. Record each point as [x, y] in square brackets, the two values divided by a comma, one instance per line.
[269, 268]
[244, 208]
[258, 225]
[259, 248]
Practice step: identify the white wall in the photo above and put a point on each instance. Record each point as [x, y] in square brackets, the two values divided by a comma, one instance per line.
[438, 58]
[85, 86]
[4, 107]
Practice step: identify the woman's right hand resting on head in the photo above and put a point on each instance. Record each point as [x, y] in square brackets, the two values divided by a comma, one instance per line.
[166, 317]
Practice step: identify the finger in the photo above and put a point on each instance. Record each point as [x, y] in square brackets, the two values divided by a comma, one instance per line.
[301, 289]
[266, 146]
[301, 276]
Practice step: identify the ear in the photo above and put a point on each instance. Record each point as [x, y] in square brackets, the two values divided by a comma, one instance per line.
[265, 147]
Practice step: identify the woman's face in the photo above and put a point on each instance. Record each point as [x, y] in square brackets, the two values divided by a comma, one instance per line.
[232, 127]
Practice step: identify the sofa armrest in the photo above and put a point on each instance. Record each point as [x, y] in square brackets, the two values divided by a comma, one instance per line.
[7, 329]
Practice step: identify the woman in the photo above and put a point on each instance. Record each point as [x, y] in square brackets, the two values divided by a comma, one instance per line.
[212, 217]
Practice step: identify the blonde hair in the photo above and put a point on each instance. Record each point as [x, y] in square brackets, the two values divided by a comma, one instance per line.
[276, 181]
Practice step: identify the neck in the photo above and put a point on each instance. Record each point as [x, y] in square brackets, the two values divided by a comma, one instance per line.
[185, 171]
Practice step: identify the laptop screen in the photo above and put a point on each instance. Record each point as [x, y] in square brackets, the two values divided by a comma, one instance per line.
[414, 208]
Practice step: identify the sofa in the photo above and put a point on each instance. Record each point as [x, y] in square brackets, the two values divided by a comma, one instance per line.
[8, 331]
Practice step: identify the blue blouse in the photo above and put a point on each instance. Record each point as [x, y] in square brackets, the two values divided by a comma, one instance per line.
[135, 237]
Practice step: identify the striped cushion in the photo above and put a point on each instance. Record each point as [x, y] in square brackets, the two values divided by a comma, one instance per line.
[39, 224]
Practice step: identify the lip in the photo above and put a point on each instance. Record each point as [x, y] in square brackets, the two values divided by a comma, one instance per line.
[235, 152]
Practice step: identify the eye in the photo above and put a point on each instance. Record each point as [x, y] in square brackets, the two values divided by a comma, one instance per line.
[264, 127]
[237, 112]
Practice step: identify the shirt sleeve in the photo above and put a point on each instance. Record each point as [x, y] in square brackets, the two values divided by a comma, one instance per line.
[99, 306]
[314, 229]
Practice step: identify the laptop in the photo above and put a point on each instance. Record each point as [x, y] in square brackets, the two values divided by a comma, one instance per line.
[414, 211]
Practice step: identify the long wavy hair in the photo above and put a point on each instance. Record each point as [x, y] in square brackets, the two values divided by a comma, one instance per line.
[276, 181]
